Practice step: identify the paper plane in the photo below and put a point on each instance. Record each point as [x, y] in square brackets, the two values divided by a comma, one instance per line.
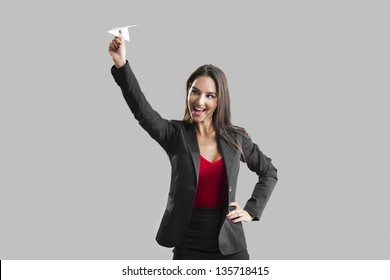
[123, 29]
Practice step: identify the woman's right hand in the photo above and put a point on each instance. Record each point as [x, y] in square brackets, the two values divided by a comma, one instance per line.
[117, 50]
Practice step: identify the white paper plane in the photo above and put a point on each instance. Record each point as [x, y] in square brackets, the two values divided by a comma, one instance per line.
[123, 29]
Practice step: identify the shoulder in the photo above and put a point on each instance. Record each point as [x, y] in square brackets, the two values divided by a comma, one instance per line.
[239, 132]
[181, 124]
[177, 123]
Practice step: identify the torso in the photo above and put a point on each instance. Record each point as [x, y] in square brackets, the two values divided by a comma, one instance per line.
[208, 147]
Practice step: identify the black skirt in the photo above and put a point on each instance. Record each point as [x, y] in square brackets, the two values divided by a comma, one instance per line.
[201, 239]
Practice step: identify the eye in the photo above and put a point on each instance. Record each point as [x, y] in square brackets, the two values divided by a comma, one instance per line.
[210, 96]
[195, 92]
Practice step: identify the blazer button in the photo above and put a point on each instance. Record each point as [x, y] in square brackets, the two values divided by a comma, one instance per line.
[230, 189]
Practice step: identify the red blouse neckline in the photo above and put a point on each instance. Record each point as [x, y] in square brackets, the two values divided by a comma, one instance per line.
[212, 162]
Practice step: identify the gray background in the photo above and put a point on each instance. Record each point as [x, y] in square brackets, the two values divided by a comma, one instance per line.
[309, 80]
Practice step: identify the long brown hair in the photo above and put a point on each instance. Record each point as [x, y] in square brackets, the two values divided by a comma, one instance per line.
[221, 117]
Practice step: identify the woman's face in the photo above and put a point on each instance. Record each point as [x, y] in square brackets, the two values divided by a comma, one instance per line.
[202, 99]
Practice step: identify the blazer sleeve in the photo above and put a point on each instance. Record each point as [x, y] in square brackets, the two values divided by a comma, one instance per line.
[267, 173]
[158, 128]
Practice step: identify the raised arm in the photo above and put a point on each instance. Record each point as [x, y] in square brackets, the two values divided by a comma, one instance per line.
[158, 128]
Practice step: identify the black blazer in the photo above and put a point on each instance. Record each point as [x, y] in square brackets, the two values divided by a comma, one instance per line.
[179, 140]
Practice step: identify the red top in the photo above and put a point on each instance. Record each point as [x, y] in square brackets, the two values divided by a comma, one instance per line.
[212, 184]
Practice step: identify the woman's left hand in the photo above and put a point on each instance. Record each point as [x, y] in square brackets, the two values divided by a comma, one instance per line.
[238, 214]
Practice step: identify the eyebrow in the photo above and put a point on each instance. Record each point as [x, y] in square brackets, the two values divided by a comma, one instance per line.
[210, 92]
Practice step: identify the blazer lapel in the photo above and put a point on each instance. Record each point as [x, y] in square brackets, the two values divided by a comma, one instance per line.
[193, 147]
[228, 157]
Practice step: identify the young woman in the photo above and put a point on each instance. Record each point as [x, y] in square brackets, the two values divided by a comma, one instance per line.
[202, 219]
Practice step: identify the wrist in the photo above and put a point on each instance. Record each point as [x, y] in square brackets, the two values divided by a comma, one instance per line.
[119, 63]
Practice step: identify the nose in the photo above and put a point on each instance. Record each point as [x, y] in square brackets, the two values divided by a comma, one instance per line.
[201, 99]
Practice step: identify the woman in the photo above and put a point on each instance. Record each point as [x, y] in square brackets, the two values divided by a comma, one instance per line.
[202, 219]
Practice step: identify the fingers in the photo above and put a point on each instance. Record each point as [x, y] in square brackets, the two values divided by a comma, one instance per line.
[235, 213]
[115, 44]
[238, 215]
[117, 50]
[239, 219]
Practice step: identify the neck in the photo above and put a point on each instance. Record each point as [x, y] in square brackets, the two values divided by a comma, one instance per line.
[205, 128]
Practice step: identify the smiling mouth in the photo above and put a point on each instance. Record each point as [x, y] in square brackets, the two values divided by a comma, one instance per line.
[199, 110]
